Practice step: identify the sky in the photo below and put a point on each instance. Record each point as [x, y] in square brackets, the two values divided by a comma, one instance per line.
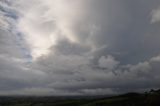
[79, 47]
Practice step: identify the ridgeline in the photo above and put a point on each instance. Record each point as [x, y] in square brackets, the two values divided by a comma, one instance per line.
[151, 98]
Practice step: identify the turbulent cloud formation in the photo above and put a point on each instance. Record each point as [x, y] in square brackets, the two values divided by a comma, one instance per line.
[79, 47]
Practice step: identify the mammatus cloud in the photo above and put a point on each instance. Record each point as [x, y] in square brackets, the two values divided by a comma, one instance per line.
[78, 47]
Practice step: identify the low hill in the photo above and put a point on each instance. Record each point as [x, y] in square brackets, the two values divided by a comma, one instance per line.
[151, 98]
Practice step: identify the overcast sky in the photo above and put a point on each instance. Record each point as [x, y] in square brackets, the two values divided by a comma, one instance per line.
[79, 47]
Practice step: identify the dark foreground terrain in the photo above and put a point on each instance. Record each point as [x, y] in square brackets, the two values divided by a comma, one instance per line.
[151, 98]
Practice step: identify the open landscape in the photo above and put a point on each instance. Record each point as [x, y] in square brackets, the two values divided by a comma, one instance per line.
[151, 98]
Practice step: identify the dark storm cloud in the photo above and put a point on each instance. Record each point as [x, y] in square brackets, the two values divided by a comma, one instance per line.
[126, 28]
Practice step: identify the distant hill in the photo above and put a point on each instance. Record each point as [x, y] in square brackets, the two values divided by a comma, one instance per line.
[151, 98]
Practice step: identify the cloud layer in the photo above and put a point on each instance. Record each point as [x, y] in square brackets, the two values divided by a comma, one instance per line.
[79, 47]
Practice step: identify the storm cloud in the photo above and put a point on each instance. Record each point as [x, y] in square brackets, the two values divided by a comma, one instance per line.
[79, 47]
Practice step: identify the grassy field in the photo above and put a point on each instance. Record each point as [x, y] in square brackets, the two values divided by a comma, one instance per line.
[131, 99]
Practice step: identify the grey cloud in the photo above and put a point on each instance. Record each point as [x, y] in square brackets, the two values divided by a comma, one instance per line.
[66, 47]
[126, 29]
[107, 47]
[109, 62]
[134, 77]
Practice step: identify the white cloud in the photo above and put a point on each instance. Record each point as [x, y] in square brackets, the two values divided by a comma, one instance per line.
[108, 62]
[155, 59]
[155, 15]
[44, 22]
[3, 22]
